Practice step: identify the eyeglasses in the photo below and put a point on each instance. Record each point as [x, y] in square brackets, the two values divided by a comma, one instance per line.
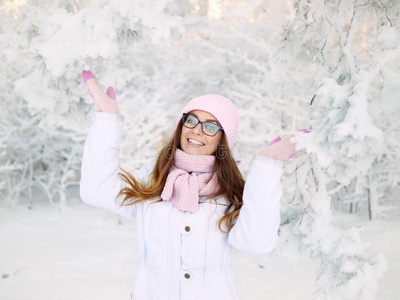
[208, 128]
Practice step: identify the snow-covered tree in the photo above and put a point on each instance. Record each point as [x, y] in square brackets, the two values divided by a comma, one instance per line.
[354, 42]
[49, 44]
[269, 57]
[44, 48]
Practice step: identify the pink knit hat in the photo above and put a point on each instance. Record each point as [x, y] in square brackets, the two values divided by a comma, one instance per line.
[223, 110]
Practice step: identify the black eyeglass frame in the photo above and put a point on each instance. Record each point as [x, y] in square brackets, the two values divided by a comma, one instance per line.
[200, 122]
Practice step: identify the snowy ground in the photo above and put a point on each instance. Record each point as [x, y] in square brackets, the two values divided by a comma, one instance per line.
[87, 253]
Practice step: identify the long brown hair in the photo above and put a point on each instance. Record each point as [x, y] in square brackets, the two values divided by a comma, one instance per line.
[231, 181]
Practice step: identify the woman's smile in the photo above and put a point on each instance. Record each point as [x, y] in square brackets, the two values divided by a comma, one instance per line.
[195, 143]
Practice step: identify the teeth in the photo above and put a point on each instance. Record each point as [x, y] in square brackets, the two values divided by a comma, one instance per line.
[195, 142]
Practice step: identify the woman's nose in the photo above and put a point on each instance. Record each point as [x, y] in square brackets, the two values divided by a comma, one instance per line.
[197, 129]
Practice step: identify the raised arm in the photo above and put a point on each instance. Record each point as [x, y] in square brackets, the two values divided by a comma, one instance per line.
[256, 229]
[100, 182]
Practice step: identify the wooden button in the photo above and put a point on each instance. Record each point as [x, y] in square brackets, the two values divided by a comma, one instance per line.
[187, 275]
[187, 228]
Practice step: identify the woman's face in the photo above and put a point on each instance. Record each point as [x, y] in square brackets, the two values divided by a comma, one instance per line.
[210, 143]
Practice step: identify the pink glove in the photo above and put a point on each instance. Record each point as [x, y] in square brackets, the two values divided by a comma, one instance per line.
[105, 102]
[281, 149]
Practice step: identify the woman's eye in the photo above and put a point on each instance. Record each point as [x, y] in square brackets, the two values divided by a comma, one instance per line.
[212, 128]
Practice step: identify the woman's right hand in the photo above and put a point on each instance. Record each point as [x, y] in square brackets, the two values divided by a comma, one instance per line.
[281, 149]
[105, 102]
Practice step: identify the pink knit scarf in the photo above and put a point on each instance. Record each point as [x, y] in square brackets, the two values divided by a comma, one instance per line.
[183, 189]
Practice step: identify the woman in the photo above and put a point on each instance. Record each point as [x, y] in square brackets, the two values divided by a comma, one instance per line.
[192, 205]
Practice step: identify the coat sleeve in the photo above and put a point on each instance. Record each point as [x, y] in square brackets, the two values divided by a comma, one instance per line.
[100, 183]
[256, 228]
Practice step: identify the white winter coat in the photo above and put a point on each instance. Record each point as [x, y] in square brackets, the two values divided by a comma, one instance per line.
[182, 255]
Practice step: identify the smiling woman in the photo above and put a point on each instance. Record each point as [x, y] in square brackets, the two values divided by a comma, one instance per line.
[193, 206]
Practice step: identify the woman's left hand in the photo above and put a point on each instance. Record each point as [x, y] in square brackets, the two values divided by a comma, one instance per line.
[281, 149]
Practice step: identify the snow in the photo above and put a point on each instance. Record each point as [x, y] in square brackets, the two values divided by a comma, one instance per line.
[271, 58]
[388, 36]
[87, 253]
